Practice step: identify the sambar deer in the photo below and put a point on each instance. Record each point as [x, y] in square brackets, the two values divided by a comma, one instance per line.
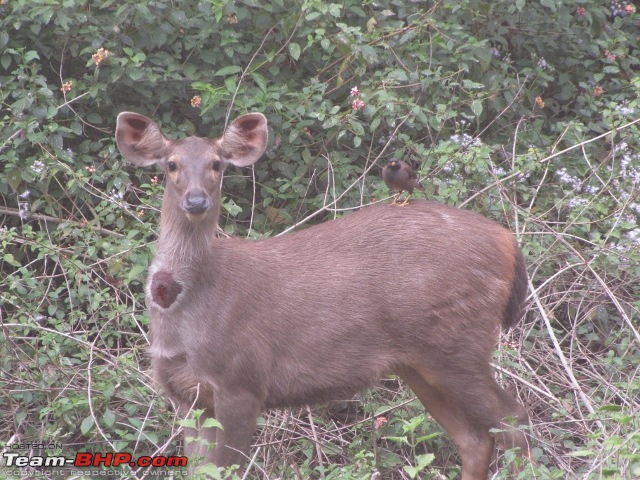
[238, 326]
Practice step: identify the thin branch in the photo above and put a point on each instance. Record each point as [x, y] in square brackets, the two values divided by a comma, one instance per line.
[244, 73]
[46, 218]
[581, 144]
[563, 360]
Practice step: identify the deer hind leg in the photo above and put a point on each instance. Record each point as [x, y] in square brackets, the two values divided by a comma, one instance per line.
[467, 412]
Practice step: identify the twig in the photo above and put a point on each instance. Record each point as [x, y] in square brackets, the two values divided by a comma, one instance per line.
[563, 360]
[317, 442]
[489, 187]
[14, 135]
[46, 218]
[523, 381]
[581, 144]
[244, 73]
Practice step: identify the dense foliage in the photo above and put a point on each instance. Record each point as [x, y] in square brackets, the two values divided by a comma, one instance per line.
[526, 111]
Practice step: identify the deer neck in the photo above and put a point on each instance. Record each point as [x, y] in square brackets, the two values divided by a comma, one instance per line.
[183, 240]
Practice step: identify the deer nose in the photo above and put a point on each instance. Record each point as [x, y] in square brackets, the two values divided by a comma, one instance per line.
[196, 202]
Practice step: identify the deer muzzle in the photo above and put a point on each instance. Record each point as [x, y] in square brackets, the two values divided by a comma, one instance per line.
[196, 202]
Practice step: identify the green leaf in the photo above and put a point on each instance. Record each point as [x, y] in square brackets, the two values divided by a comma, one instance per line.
[581, 453]
[86, 425]
[334, 9]
[476, 107]
[358, 129]
[14, 178]
[188, 422]
[425, 460]
[211, 422]
[398, 440]
[30, 56]
[231, 208]
[5, 61]
[369, 53]
[230, 84]
[229, 70]
[425, 438]
[209, 470]
[109, 418]
[411, 471]
[550, 4]
[610, 408]
[294, 50]
[260, 80]
[398, 75]
[8, 257]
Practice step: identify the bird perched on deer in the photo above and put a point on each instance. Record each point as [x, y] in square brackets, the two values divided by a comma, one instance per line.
[399, 175]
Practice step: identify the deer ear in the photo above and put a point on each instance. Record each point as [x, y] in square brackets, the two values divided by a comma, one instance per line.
[245, 140]
[140, 140]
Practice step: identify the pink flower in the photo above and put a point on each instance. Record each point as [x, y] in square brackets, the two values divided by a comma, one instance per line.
[100, 55]
[357, 104]
[380, 421]
[354, 92]
[581, 11]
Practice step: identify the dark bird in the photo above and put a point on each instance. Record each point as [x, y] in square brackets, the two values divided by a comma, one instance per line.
[399, 176]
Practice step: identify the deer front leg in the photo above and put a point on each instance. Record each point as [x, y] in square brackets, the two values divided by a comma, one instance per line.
[237, 413]
[199, 441]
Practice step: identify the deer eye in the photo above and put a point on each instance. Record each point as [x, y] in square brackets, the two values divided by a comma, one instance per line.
[216, 165]
[171, 165]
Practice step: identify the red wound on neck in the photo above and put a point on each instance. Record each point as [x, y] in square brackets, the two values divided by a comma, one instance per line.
[164, 289]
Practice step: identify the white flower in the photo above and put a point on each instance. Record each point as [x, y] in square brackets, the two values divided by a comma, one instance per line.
[38, 167]
[466, 140]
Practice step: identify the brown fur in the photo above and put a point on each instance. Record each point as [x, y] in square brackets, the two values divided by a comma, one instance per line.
[320, 314]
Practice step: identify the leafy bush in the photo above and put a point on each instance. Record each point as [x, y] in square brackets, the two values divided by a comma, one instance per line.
[524, 111]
